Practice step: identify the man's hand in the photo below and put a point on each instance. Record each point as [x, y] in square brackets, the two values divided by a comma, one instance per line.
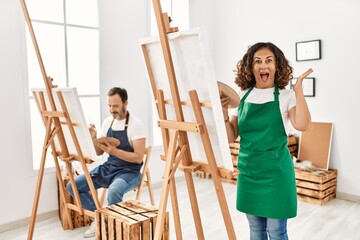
[92, 130]
[107, 147]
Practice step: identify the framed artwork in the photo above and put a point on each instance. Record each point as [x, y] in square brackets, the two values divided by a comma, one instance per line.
[308, 86]
[308, 50]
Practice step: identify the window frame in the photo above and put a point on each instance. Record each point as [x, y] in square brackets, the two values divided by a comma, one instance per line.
[34, 164]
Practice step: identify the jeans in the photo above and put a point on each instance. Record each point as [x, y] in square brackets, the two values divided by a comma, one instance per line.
[116, 190]
[262, 228]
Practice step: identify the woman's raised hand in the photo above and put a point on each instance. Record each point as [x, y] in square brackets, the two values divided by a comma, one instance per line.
[298, 85]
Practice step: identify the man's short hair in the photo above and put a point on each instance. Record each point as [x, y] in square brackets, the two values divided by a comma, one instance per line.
[119, 91]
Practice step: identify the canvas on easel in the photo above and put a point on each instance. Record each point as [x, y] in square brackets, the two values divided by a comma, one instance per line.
[65, 136]
[193, 70]
[190, 117]
[68, 135]
[75, 111]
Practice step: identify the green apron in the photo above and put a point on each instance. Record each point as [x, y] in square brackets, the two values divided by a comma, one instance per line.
[266, 184]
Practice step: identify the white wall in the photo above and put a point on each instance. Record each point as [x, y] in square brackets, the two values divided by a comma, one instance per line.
[122, 24]
[236, 24]
[17, 180]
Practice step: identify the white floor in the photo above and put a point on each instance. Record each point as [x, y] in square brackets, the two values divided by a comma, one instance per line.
[337, 220]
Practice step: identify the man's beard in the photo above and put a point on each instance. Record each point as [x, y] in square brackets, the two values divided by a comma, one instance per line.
[119, 116]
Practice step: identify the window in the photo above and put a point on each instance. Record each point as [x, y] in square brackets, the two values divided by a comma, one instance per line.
[179, 13]
[67, 33]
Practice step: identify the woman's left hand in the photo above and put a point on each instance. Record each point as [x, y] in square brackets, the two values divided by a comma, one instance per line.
[224, 104]
[298, 85]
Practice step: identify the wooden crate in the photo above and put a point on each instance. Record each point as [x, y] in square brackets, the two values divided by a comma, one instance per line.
[77, 219]
[234, 150]
[293, 145]
[316, 188]
[129, 220]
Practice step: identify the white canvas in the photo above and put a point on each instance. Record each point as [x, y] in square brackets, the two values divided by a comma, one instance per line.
[194, 71]
[77, 117]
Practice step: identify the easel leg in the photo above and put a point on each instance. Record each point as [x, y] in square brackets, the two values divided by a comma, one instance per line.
[74, 187]
[213, 167]
[194, 205]
[39, 181]
[223, 204]
[165, 187]
[36, 198]
[62, 190]
[175, 208]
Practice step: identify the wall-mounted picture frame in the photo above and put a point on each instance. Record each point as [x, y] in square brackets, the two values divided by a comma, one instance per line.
[308, 86]
[308, 50]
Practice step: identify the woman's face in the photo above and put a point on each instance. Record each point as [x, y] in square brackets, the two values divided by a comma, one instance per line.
[264, 68]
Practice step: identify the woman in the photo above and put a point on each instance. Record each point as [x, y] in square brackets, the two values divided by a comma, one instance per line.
[266, 190]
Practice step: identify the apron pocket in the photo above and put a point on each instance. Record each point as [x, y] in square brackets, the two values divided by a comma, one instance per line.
[259, 164]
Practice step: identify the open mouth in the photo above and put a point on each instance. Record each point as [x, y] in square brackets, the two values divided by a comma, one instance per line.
[264, 76]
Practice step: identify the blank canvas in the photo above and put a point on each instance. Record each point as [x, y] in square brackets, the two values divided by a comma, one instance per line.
[77, 117]
[194, 70]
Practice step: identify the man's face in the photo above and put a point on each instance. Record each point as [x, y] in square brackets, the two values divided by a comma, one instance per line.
[117, 108]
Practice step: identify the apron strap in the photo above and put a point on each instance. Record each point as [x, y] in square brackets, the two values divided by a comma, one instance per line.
[276, 94]
[111, 123]
[246, 94]
[127, 120]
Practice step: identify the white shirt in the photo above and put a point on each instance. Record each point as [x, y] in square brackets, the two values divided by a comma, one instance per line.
[135, 128]
[287, 100]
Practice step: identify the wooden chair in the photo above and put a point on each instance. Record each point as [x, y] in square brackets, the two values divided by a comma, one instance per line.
[145, 180]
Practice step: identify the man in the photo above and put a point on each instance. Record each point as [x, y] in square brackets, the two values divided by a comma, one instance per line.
[121, 172]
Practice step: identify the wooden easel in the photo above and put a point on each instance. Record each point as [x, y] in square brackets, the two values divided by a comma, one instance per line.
[176, 142]
[54, 128]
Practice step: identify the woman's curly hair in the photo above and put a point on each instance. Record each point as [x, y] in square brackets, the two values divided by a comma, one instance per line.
[245, 78]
